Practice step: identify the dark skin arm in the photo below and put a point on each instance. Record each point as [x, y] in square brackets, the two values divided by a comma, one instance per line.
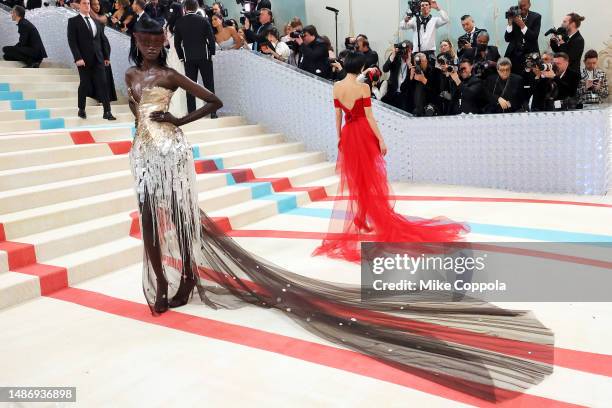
[169, 78]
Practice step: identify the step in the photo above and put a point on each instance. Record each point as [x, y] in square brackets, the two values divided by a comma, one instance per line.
[43, 65]
[16, 288]
[52, 193]
[126, 118]
[38, 175]
[23, 158]
[34, 141]
[67, 122]
[12, 70]
[307, 174]
[236, 143]
[241, 157]
[62, 102]
[279, 165]
[207, 123]
[3, 262]
[19, 79]
[12, 115]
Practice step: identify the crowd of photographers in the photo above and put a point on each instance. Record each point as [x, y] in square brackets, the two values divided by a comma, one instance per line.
[424, 77]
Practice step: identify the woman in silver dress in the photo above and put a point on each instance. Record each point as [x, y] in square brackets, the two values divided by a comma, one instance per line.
[473, 347]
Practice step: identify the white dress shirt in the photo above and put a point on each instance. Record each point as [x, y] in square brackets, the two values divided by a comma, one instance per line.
[282, 49]
[428, 34]
[91, 23]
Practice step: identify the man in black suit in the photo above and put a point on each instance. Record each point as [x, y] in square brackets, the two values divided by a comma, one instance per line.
[32, 4]
[522, 36]
[470, 95]
[314, 52]
[258, 33]
[91, 52]
[574, 47]
[484, 54]
[470, 37]
[30, 48]
[195, 45]
[399, 84]
[504, 91]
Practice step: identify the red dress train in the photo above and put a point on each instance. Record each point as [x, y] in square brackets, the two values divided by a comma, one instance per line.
[363, 210]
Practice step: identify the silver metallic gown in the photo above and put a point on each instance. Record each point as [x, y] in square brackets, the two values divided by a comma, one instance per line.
[476, 348]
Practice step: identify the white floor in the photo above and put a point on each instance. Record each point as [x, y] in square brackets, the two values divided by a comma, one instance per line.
[102, 339]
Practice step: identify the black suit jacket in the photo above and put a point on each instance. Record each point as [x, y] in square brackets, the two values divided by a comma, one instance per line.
[92, 50]
[33, 4]
[574, 48]
[520, 44]
[193, 38]
[511, 90]
[568, 85]
[315, 58]
[30, 38]
[466, 37]
[258, 34]
[492, 54]
[394, 68]
[471, 96]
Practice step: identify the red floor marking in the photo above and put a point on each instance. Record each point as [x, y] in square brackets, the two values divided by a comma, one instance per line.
[484, 199]
[205, 166]
[2, 233]
[291, 347]
[19, 254]
[85, 137]
[52, 278]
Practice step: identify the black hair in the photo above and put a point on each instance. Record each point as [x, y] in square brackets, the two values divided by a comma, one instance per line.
[465, 17]
[312, 30]
[562, 55]
[272, 31]
[191, 5]
[147, 25]
[174, 12]
[20, 11]
[141, 3]
[220, 17]
[590, 54]
[354, 62]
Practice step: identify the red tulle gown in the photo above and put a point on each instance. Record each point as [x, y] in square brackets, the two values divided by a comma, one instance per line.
[363, 210]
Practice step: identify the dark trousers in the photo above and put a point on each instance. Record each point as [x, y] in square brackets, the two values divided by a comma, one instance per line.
[399, 100]
[93, 82]
[205, 67]
[24, 54]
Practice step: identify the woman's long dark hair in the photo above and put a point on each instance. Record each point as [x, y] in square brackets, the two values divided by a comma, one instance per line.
[174, 12]
[147, 26]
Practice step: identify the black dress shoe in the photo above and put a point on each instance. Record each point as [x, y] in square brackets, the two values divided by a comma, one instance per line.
[82, 114]
[108, 116]
[214, 115]
[34, 65]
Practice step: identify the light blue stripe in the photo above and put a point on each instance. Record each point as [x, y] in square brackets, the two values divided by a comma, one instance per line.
[284, 202]
[55, 123]
[259, 190]
[4, 86]
[196, 151]
[11, 96]
[230, 179]
[23, 104]
[37, 114]
[218, 162]
[538, 234]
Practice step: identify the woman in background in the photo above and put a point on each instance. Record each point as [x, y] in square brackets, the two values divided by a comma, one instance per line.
[226, 37]
[178, 104]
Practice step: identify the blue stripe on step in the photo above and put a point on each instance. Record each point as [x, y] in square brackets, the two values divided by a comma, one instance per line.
[284, 202]
[538, 234]
[218, 162]
[196, 151]
[10, 96]
[4, 86]
[260, 190]
[230, 179]
[23, 104]
[55, 123]
[37, 114]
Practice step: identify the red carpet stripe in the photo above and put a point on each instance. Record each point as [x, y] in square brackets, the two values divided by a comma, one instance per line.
[85, 137]
[291, 347]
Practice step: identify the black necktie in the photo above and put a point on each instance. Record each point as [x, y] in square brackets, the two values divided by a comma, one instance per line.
[89, 26]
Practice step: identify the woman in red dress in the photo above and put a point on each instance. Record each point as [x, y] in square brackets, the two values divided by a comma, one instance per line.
[362, 208]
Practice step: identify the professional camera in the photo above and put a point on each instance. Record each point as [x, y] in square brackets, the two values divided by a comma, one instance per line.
[534, 60]
[558, 32]
[462, 42]
[402, 47]
[418, 70]
[296, 34]
[446, 63]
[414, 8]
[430, 110]
[513, 11]
[350, 43]
[248, 11]
[293, 45]
[209, 12]
[481, 68]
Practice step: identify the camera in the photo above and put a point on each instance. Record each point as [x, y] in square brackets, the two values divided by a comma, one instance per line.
[248, 11]
[402, 48]
[209, 12]
[418, 70]
[481, 68]
[296, 34]
[513, 11]
[534, 60]
[350, 43]
[446, 63]
[558, 32]
[414, 8]
[462, 42]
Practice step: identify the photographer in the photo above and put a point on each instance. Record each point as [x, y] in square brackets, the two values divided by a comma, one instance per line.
[522, 34]
[266, 22]
[484, 56]
[399, 84]
[468, 40]
[470, 95]
[503, 90]
[557, 88]
[425, 80]
[295, 26]
[314, 53]
[593, 88]
[337, 66]
[363, 46]
[571, 43]
[274, 47]
[428, 25]
[449, 84]
[29, 49]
